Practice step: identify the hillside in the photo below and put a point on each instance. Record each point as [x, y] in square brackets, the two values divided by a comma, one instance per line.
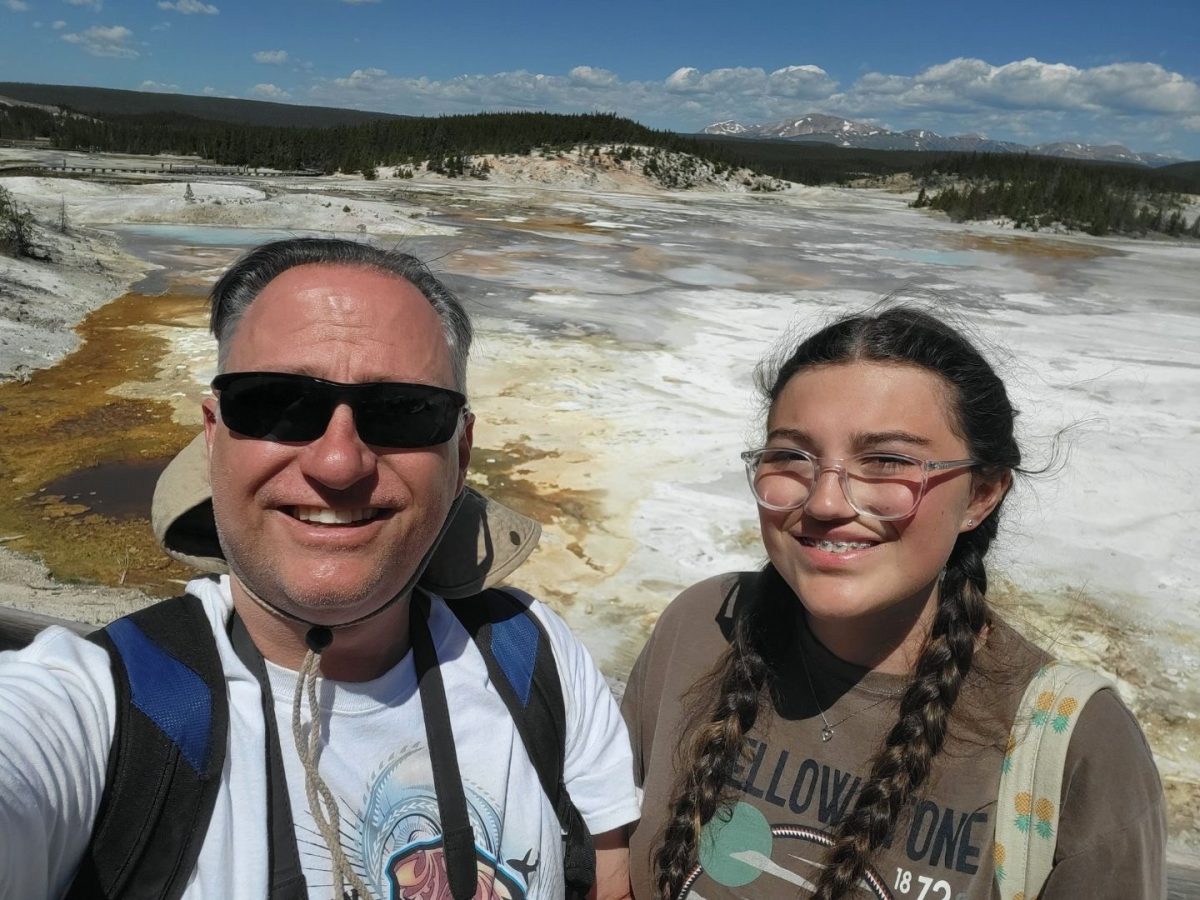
[110, 102]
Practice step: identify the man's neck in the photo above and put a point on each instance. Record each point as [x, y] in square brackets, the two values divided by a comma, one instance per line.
[359, 652]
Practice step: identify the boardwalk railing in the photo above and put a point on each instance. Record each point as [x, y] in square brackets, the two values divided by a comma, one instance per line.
[175, 170]
[18, 627]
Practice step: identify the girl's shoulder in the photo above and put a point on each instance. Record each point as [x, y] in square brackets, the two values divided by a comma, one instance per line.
[712, 599]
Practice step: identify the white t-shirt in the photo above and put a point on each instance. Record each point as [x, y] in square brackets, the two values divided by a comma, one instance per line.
[57, 705]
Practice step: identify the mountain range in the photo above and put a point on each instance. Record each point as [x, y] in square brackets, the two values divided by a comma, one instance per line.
[846, 133]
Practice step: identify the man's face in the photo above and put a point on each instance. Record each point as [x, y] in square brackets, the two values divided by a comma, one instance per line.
[348, 324]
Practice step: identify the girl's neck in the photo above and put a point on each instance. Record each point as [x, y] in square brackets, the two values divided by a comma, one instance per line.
[888, 641]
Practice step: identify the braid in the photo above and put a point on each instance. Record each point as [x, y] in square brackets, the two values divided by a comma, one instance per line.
[920, 732]
[718, 742]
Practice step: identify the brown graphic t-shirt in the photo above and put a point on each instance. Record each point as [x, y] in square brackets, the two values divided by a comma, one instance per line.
[794, 785]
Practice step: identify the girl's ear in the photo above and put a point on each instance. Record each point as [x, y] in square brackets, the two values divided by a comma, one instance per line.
[986, 494]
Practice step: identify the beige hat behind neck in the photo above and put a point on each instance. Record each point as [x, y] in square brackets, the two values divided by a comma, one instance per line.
[483, 544]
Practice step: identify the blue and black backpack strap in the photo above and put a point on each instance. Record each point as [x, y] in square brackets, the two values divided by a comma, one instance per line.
[520, 661]
[168, 750]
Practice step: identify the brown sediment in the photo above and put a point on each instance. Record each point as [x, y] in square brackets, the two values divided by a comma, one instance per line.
[1023, 245]
[68, 418]
[500, 473]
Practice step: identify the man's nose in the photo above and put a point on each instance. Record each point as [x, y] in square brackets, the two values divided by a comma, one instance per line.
[338, 458]
[827, 498]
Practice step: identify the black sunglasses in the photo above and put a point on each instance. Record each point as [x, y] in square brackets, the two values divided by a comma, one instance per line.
[281, 406]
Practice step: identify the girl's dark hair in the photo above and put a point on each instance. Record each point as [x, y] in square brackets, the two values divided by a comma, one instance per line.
[983, 416]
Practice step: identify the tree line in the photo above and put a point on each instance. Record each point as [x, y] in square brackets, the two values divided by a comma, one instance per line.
[1039, 192]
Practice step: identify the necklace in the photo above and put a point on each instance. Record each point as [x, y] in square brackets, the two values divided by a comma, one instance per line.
[828, 727]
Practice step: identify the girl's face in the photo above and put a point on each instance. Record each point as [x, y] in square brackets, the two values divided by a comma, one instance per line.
[886, 581]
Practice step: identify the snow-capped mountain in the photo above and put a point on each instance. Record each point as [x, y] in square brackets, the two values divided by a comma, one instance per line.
[846, 133]
[1106, 152]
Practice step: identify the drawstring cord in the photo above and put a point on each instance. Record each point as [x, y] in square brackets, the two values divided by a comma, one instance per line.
[321, 802]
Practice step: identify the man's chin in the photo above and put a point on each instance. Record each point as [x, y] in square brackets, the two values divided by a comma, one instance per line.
[332, 606]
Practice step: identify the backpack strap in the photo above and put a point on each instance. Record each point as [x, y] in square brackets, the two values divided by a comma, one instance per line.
[286, 881]
[520, 661]
[1031, 776]
[521, 665]
[458, 838]
[165, 762]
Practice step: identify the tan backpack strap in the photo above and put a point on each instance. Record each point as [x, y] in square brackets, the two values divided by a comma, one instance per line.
[1031, 778]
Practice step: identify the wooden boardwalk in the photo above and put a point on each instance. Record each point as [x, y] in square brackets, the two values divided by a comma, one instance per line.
[175, 170]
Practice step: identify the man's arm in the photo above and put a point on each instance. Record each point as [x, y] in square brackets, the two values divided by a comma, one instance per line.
[56, 703]
[612, 866]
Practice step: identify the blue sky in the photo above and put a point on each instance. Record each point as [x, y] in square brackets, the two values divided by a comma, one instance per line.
[1098, 72]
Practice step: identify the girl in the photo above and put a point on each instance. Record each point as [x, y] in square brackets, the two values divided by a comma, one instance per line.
[850, 738]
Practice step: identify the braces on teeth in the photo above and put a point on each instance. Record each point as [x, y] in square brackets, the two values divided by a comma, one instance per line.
[840, 546]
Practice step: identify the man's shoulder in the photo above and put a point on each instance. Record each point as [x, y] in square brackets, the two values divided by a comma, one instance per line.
[58, 649]
[513, 602]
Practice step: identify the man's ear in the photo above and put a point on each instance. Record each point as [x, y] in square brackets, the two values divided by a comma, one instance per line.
[986, 494]
[466, 440]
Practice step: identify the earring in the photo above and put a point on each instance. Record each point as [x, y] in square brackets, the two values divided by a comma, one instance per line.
[970, 523]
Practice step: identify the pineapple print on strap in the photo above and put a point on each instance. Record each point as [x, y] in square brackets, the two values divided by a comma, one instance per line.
[1053, 707]
[1066, 708]
[1041, 709]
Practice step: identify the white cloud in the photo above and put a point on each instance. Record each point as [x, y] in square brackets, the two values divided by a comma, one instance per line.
[271, 57]
[99, 40]
[1027, 100]
[189, 7]
[722, 85]
[161, 26]
[93, 5]
[17, 5]
[1029, 85]
[158, 87]
[594, 77]
[208, 90]
[58, 25]
[270, 91]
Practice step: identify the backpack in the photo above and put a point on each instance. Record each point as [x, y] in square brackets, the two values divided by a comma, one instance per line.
[1031, 776]
[172, 720]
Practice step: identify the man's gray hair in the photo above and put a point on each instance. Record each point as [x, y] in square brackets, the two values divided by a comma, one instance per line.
[232, 295]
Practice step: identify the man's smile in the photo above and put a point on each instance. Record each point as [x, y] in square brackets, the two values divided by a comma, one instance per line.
[323, 515]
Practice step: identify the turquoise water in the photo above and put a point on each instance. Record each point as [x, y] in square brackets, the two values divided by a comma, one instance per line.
[937, 257]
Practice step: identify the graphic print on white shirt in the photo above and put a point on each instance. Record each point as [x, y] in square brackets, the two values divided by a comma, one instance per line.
[400, 834]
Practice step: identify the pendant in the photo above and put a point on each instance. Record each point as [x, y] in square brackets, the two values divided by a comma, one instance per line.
[826, 734]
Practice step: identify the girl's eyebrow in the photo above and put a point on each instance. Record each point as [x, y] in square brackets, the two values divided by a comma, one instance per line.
[795, 435]
[860, 440]
[875, 438]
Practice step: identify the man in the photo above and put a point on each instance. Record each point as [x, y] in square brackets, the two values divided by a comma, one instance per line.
[338, 441]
